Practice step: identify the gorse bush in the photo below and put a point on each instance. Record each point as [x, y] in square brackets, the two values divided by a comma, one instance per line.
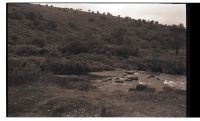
[82, 46]
[73, 26]
[36, 18]
[154, 64]
[31, 51]
[38, 42]
[31, 16]
[51, 25]
[15, 15]
[118, 35]
[14, 37]
[91, 19]
[70, 67]
[19, 75]
[76, 47]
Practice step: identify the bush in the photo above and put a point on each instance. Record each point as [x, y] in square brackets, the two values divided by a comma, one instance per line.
[19, 77]
[51, 25]
[85, 45]
[70, 67]
[122, 52]
[64, 10]
[35, 17]
[18, 74]
[31, 51]
[76, 47]
[38, 42]
[14, 37]
[103, 17]
[15, 14]
[91, 19]
[72, 25]
[165, 65]
[31, 16]
[118, 35]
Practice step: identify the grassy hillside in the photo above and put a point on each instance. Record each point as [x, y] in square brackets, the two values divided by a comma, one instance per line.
[44, 39]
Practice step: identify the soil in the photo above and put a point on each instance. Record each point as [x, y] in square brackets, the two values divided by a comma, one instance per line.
[99, 94]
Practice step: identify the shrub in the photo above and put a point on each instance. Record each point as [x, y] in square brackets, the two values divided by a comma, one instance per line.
[36, 22]
[19, 77]
[35, 17]
[38, 42]
[31, 51]
[103, 17]
[14, 37]
[15, 14]
[76, 47]
[64, 10]
[143, 87]
[91, 19]
[70, 67]
[72, 25]
[165, 65]
[118, 35]
[122, 52]
[18, 74]
[31, 16]
[51, 25]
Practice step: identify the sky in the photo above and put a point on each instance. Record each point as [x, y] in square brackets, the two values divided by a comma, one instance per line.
[163, 13]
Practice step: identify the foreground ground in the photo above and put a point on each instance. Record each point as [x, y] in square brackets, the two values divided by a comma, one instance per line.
[100, 94]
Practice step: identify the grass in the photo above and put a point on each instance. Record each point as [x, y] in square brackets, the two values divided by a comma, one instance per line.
[73, 47]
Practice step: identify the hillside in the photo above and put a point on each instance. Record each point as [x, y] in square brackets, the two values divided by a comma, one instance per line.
[66, 41]
[69, 63]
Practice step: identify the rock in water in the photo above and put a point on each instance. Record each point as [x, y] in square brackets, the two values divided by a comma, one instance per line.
[118, 81]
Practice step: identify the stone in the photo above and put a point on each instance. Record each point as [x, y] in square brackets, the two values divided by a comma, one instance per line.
[133, 78]
[151, 76]
[118, 81]
[129, 72]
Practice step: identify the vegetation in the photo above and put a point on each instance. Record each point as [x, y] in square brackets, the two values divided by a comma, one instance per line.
[80, 42]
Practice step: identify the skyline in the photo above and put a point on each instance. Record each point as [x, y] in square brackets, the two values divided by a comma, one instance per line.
[163, 13]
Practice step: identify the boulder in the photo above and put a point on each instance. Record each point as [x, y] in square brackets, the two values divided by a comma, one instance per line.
[151, 76]
[128, 80]
[118, 81]
[132, 78]
[131, 89]
[105, 80]
[129, 72]
[141, 87]
[117, 78]
[144, 87]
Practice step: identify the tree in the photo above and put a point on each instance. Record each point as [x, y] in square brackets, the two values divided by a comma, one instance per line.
[156, 22]
[181, 25]
[177, 38]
